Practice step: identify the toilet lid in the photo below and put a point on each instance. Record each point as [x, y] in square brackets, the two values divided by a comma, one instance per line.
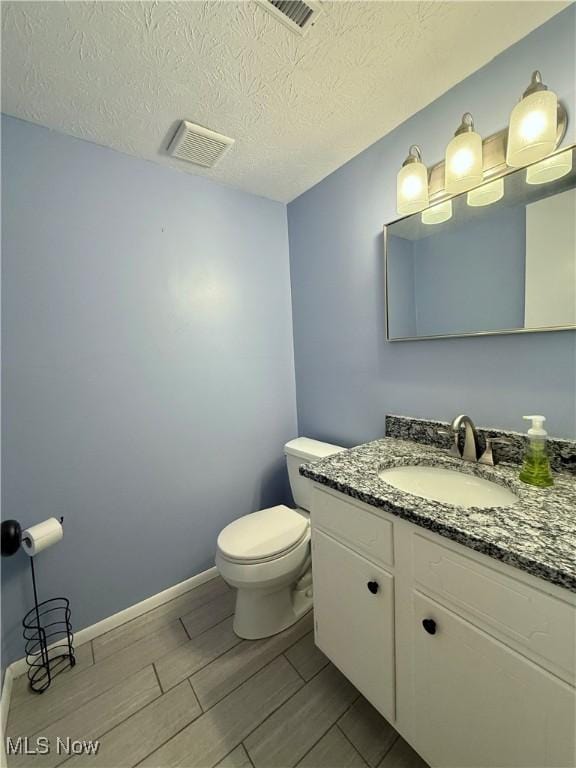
[262, 534]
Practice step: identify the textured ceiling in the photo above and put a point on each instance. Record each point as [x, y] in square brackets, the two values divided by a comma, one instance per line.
[122, 74]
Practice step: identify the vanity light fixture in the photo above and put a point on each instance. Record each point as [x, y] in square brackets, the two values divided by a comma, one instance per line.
[532, 133]
[549, 169]
[463, 164]
[436, 214]
[486, 194]
[537, 127]
[412, 183]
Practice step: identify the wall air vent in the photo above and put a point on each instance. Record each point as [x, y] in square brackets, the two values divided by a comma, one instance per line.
[297, 15]
[198, 145]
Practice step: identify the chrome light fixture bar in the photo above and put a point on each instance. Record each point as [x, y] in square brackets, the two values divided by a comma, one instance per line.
[531, 118]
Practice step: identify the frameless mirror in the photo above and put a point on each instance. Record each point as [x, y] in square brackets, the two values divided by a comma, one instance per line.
[498, 259]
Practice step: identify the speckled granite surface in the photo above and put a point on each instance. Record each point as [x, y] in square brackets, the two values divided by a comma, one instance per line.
[511, 449]
[537, 535]
[509, 446]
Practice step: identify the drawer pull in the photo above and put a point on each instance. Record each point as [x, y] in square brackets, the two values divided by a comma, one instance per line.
[430, 626]
[373, 586]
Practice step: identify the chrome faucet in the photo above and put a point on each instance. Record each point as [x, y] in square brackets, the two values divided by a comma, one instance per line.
[471, 449]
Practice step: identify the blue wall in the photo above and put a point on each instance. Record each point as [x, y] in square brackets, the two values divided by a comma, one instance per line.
[438, 284]
[347, 376]
[456, 271]
[148, 368]
[402, 318]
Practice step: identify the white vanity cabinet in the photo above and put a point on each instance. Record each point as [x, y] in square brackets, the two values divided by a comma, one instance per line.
[354, 619]
[479, 703]
[471, 660]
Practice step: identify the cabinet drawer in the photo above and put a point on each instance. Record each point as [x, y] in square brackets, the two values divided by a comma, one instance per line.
[534, 622]
[366, 533]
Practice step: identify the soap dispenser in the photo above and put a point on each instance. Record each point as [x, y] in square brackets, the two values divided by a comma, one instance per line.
[536, 466]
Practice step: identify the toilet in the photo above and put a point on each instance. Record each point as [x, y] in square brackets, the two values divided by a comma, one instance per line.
[266, 555]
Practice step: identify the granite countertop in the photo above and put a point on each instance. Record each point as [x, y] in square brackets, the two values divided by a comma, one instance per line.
[537, 535]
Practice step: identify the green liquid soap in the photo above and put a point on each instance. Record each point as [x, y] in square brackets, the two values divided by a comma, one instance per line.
[536, 467]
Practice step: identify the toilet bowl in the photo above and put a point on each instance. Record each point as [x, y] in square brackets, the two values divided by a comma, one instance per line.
[265, 555]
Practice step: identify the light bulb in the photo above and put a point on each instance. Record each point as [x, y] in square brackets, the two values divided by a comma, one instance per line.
[412, 184]
[550, 169]
[463, 162]
[532, 132]
[532, 125]
[436, 214]
[486, 194]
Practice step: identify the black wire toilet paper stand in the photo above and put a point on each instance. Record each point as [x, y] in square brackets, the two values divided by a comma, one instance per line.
[48, 637]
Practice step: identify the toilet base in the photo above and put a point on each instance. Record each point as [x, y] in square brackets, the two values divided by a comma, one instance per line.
[261, 613]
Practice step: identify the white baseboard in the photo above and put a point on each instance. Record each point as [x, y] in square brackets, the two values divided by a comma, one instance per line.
[18, 668]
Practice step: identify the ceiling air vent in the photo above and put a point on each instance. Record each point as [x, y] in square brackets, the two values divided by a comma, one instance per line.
[297, 15]
[199, 145]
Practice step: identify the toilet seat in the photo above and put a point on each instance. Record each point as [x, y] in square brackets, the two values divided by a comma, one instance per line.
[264, 535]
[278, 558]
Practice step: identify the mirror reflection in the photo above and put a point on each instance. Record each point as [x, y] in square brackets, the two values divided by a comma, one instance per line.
[500, 258]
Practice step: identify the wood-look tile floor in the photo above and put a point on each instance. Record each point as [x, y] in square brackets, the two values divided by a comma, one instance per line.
[176, 687]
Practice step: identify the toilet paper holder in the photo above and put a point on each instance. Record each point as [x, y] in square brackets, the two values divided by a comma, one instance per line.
[47, 626]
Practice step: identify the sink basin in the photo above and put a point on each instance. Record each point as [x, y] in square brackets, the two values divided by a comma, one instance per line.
[449, 486]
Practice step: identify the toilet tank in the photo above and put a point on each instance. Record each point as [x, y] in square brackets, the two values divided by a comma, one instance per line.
[303, 450]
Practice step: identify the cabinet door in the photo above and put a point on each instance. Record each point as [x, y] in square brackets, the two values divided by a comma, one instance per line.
[354, 619]
[479, 703]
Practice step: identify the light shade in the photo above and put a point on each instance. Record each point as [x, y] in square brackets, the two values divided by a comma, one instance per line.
[533, 128]
[550, 169]
[486, 194]
[463, 163]
[437, 213]
[412, 184]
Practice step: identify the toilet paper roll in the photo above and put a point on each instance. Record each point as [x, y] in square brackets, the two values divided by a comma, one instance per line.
[41, 536]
